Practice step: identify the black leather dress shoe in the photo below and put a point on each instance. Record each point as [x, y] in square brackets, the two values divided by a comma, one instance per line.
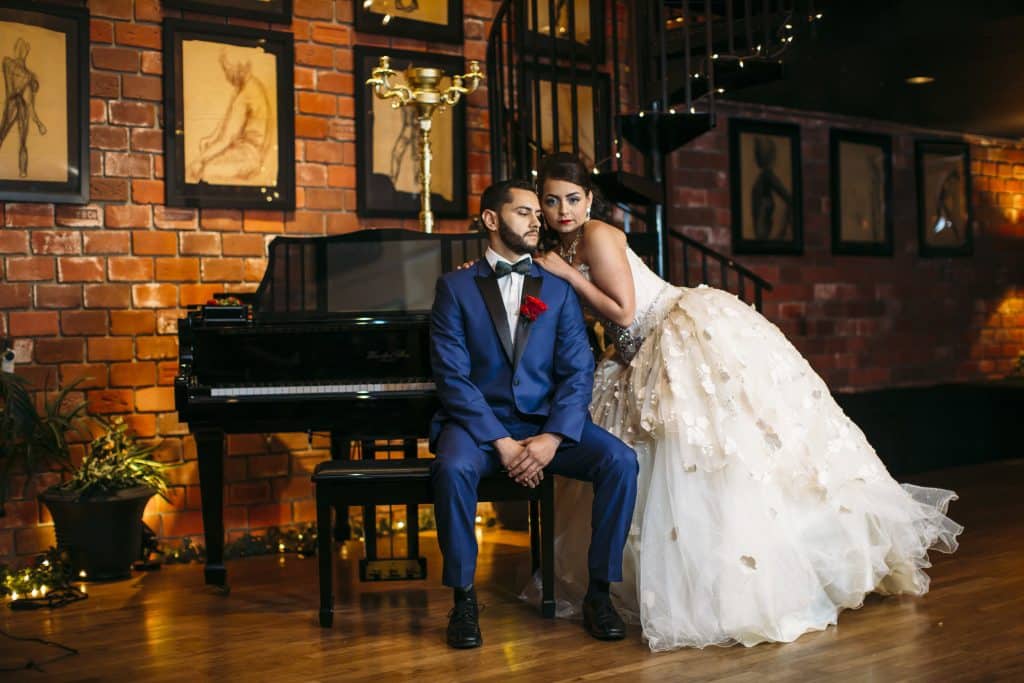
[601, 620]
[464, 625]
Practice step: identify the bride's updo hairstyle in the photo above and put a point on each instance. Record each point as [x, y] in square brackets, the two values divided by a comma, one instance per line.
[568, 167]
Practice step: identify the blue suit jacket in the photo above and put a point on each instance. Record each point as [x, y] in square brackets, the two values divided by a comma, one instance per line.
[484, 381]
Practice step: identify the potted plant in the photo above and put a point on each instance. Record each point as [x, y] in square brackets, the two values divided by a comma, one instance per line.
[97, 513]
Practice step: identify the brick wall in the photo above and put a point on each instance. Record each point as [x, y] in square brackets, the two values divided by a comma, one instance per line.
[870, 322]
[96, 291]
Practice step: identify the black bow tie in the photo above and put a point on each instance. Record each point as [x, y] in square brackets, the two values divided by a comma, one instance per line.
[503, 268]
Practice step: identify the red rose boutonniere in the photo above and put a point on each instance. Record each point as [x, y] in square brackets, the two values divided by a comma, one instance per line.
[532, 307]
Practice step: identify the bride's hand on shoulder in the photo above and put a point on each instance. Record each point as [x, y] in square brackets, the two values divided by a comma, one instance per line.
[554, 264]
[467, 264]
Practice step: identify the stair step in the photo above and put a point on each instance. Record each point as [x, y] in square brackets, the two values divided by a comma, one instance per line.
[663, 132]
[729, 76]
[628, 188]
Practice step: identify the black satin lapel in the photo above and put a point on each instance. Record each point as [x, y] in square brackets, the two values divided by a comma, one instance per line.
[531, 287]
[492, 298]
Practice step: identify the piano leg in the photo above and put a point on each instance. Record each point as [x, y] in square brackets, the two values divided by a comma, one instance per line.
[210, 450]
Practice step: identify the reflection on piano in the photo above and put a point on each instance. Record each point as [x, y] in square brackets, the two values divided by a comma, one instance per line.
[336, 338]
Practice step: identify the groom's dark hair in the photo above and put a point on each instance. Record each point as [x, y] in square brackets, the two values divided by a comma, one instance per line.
[500, 193]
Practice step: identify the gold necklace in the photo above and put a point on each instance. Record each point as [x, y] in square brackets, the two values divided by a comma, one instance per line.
[569, 254]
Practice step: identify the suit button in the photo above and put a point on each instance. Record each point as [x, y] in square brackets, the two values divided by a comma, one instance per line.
[515, 382]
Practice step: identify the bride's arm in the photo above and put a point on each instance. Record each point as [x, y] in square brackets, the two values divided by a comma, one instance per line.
[610, 290]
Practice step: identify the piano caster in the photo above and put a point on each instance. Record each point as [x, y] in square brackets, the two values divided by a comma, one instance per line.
[327, 617]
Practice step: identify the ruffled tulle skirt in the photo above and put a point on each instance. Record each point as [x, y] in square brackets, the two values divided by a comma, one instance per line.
[762, 509]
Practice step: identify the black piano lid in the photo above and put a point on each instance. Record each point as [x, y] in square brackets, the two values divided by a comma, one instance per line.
[369, 274]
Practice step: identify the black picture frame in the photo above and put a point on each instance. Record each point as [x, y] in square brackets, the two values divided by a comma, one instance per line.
[71, 127]
[376, 195]
[370, 21]
[279, 195]
[275, 11]
[537, 40]
[943, 171]
[544, 80]
[860, 166]
[783, 233]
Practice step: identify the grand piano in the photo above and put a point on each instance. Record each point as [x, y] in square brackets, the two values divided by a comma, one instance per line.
[335, 339]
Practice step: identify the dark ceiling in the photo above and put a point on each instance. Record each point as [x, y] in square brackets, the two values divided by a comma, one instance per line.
[862, 51]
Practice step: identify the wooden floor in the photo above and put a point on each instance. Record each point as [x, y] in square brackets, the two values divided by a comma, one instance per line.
[165, 626]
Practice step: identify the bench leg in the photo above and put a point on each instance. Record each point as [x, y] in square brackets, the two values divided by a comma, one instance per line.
[325, 550]
[547, 531]
[534, 536]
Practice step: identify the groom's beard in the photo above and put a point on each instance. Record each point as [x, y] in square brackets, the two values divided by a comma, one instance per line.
[517, 244]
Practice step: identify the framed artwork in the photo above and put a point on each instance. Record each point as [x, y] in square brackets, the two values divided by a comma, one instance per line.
[278, 11]
[764, 180]
[229, 132]
[944, 198]
[578, 28]
[429, 20]
[550, 96]
[861, 193]
[44, 120]
[387, 143]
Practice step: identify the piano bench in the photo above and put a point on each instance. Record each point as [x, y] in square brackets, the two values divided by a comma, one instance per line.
[407, 481]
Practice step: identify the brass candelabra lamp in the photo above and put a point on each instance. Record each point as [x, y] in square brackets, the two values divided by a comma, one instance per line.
[422, 91]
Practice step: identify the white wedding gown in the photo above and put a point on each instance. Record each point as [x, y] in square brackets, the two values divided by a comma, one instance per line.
[762, 510]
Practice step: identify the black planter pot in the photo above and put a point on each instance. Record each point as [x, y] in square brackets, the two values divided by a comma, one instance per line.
[102, 535]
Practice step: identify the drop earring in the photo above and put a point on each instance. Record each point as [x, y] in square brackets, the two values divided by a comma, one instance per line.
[588, 213]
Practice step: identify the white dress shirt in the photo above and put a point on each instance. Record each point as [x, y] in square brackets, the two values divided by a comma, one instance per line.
[511, 287]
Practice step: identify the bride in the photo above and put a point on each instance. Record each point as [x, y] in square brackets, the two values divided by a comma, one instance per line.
[762, 509]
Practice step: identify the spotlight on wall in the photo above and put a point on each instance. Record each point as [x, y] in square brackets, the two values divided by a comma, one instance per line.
[920, 80]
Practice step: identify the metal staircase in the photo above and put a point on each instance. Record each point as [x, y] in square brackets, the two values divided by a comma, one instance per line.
[606, 73]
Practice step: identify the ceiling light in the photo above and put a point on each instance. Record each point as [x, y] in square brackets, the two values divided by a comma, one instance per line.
[920, 80]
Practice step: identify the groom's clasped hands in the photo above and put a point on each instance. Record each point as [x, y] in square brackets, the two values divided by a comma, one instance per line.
[525, 460]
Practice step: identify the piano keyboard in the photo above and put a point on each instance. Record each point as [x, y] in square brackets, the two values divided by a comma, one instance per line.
[311, 389]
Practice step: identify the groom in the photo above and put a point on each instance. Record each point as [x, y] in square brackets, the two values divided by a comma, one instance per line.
[514, 374]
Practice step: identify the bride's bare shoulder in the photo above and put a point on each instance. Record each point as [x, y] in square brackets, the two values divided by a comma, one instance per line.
[599, 232]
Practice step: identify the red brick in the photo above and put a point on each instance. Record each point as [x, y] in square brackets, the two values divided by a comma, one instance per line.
[80, 269]
[147, 140]
[108, 189]
[97, 114]
[131, 113]
[334, 82]
[339, 223]
[56, 242]
[92, 375]
[34, 540]
[313, 9]
[128, 216]
[154, 399]
[110, 401]
[152, 63]
[324, 152]
[107, 296]
[174, 219]
[263, 221]
[131, 164]
[310, 127]
[148, 10]
[32, 323]
[142, 87]
[130, 269]
[115, 59]
[275, 465]
[316, 103]
[177, 269]
[249, 492]
[154, 296]
[14, 296]
[83, 322]
[18, 215]
[101, 31]
[30, 268]
[58, 296]
[154, 243]
[137, 35]
[323, 199]
[332, 34]
[304, 79]
[193, 295]
[13, 242]
[104, 85]
[254, 269]
[59, 350]
[79, 216]
[132, 374]
[195, 243]
[311, 175]
[156, 348]
[221, 220]
[222, 269]
[177, 524]
[147, 191]
[346, 107]
[243, 245]
[107, 242]
[273, 514]
[314, 55]
[110, 349]
[108, 137]
[341, 176]
[132, 322]
[344, 59]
